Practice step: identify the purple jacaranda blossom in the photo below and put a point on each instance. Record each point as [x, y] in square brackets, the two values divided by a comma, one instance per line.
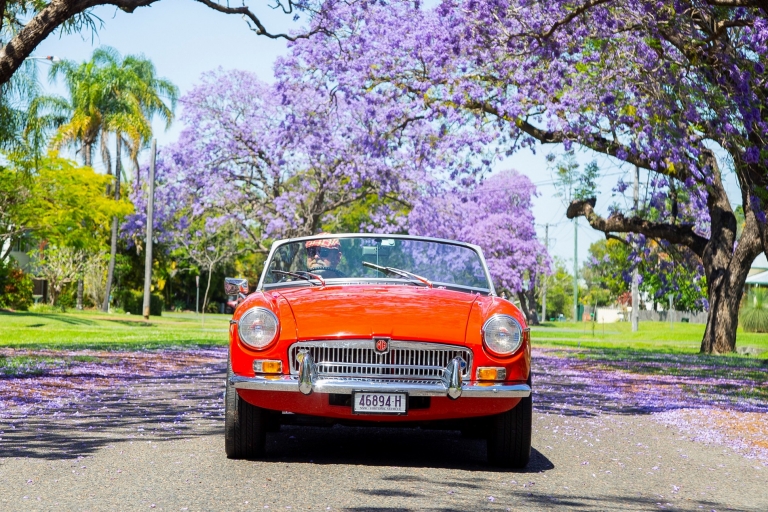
[605, 76]
[497, 216]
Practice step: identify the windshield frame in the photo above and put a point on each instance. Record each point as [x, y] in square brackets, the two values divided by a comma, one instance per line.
[491, 291]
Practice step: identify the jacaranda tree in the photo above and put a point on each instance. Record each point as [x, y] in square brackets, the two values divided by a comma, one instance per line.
[282, 158]
[666, 87]
[497, 216]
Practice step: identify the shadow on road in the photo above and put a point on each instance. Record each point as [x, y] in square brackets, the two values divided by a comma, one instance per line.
[173, 407]
[372, 446]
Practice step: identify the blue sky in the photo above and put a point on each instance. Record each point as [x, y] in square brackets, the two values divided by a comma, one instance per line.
[185, 39]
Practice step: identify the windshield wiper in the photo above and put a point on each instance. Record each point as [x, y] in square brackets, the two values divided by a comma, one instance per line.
[403, 273]
[307, 276]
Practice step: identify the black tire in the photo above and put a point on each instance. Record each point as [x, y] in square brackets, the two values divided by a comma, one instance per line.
[509, 436]
[245, 425]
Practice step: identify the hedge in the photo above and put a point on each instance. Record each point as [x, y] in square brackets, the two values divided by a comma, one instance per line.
[133, 302]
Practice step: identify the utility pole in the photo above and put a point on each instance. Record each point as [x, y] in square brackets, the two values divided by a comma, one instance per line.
[544, 278]
[197, 294]
[575, 269]
[150, 220]
[635, 289]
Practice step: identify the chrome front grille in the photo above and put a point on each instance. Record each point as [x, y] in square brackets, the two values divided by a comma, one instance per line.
[357, 358]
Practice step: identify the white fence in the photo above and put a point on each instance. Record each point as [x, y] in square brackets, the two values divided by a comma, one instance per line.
[608, 315]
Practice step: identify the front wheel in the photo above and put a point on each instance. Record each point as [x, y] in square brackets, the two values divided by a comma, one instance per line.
[509, 436]
[245, 425]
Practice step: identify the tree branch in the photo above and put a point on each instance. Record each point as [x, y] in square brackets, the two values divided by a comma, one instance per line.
[46, 21]
[260, 29]
[571, 16]
[762, 4]
[617, 223]
[56, 13]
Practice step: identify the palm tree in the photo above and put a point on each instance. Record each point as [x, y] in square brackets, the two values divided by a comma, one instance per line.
[108, 95]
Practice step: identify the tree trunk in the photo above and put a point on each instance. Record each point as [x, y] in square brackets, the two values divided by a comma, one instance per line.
[113, 246]
[722, 321]
[207, 287]
[87, 152]
[80, 293]
[726, 265]
[533, 319]
[529, 310]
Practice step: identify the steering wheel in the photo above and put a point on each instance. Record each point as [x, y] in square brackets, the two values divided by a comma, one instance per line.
[327, 272]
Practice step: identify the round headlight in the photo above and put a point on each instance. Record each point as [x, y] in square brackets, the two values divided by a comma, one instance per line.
[502, 335]
[258, 327]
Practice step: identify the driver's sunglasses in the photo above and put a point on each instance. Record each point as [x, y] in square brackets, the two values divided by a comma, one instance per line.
[323, 252]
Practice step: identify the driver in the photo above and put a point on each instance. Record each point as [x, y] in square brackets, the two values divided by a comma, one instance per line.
[323, 257]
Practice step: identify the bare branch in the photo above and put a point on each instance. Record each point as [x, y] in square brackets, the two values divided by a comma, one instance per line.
[260, 29]
[571, 16]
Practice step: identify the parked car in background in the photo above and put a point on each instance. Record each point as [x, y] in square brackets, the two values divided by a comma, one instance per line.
[386, 329]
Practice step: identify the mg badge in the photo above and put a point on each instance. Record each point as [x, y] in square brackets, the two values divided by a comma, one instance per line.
[381, 345]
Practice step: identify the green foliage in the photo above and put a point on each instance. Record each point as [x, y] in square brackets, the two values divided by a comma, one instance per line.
[559, 292]
[586, 185]
[754, 314]
[571, 183]
[107, 94]
[603, 272]
[15, 287]
[57, 201]
[132, 301]
[673, 271]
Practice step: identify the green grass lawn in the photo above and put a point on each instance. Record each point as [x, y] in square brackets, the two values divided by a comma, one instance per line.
[96, 330]
[651, 336]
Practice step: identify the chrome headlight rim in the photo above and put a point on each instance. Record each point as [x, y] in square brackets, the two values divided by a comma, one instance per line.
[520, 331]
[240, 328]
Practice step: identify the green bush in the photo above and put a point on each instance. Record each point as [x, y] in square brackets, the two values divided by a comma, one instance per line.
[42, 307]
[132, 301]
[754, 314]
[15, 287]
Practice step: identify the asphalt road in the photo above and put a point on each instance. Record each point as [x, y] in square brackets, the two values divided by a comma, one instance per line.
[152, 444]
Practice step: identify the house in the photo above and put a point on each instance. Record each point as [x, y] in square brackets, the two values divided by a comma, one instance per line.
[758, 273]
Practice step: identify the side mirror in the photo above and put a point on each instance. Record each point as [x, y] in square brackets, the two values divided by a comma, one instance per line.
[236, 286]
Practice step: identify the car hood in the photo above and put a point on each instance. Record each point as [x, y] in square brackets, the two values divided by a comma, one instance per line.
[399, 312]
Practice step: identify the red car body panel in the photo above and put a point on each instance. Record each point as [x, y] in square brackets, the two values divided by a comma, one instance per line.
[316, 404]
[401, 312]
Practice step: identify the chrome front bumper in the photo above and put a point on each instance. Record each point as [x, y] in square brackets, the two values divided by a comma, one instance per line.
[451, 385]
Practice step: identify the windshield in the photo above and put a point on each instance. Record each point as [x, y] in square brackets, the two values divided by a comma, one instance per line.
[341, 260]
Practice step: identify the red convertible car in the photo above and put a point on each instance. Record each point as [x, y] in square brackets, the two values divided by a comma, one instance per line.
[378, 329]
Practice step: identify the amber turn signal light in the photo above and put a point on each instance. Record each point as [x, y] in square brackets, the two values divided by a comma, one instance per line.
[268, 366]
[485, 373]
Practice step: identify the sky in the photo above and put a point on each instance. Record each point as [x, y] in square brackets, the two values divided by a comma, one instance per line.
[185, 39]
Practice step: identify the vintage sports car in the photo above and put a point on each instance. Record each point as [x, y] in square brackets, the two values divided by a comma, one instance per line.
[378, 329]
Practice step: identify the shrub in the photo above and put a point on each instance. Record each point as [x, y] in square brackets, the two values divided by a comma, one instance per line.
[754, 314]
[15, 287]
[42, 307]
[212, 307]
[132, 302]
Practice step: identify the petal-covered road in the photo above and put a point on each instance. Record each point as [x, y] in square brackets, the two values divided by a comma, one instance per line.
[100, 431]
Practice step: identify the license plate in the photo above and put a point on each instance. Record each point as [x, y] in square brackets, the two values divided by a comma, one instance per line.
[379, 403]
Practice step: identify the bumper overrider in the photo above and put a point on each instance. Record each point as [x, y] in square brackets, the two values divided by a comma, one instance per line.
[308, 381]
